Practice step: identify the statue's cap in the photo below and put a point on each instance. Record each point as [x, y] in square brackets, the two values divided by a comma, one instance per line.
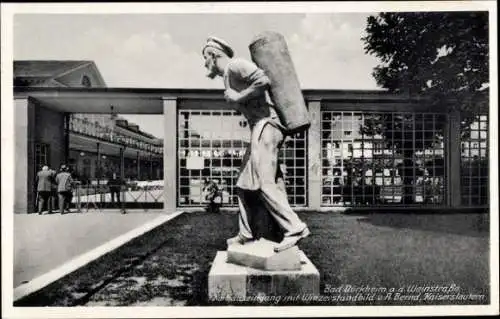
[216, 43]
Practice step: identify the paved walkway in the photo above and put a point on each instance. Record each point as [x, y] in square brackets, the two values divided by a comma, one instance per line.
[43, 242]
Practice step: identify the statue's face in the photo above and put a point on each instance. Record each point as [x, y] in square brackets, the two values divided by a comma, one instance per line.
[210, 64]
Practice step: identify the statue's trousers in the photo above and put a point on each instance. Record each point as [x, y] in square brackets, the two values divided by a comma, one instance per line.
[260, 175]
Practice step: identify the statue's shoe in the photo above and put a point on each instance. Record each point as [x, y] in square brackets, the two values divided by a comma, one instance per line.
[238, 240]
[290, 241]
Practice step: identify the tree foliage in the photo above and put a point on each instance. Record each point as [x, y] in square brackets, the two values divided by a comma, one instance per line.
[440, 54]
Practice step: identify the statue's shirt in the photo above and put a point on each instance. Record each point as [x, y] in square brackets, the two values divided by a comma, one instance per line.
[259, 111]
[241, 74]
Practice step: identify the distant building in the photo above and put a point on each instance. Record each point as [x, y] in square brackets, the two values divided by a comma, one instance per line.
[94, 140]
[35, 73]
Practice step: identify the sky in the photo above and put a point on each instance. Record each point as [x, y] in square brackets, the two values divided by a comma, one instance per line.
[164, 50]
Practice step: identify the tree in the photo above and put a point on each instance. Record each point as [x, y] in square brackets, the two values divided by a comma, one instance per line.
[442, 56]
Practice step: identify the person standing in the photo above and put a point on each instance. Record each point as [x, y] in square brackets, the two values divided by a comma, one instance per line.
[246, 89]
[45, 179]
[64, 188]
[213, 195]
[115, 184]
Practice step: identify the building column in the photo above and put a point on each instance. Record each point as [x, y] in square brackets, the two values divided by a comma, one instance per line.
[98, 163]
[454, 149]
[78, 164]
[170, 155]
[150, 163]
[314, 156]
[122, 162]
[24, 170]
[138, 166]
[93, 171]
[99, 172]
[67, 118]
[122, 177]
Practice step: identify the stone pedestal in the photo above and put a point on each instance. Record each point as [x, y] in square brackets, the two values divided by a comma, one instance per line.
[229, 282]
[260, 255]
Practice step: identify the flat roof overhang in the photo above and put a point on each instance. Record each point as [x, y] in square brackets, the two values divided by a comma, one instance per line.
[150, 101]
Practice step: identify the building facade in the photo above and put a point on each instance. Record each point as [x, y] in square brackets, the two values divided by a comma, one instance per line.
[92, 144]
[363, 149]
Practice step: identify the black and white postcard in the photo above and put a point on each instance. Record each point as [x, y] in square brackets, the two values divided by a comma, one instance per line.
[249, 159]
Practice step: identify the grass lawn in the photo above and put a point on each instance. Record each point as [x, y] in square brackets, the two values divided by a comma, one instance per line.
[170, 265]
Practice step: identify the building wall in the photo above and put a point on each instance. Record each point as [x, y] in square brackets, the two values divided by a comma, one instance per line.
[101, 119]
[34, 124]
[85, 166]
[49, 129]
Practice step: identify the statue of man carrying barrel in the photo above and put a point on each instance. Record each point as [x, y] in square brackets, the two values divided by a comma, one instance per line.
[260, 185]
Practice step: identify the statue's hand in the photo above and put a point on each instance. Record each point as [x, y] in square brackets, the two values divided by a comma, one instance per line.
[232, 96]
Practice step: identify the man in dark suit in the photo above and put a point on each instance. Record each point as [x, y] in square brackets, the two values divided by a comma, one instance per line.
[45, 179]
[115, 183]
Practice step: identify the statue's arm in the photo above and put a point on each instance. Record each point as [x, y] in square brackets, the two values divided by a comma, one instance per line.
[257, 81]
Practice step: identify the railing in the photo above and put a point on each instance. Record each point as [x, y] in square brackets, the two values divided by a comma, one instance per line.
[131, 195]
[88, 128]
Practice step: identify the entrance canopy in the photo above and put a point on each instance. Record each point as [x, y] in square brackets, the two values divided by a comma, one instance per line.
[150, 101]
[114, 100]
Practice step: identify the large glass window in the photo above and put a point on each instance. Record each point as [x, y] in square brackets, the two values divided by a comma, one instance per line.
[42, 152]
[211, 145]
[382, 158]
[474, 160]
